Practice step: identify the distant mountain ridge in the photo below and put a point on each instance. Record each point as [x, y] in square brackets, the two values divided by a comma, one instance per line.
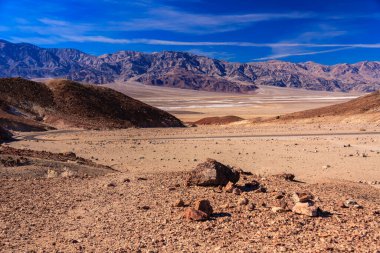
[182, 70]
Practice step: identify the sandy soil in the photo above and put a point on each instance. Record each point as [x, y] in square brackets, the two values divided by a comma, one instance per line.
[264, 149]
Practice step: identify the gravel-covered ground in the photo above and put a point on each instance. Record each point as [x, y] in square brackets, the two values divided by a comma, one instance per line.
[128, 212]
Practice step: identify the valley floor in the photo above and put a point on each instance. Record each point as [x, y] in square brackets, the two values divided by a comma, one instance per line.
[267, 101]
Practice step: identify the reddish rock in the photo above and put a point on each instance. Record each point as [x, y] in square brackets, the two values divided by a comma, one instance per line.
[305, 209]
[284, 203]
[229, 187]
[195, 215]
[277, 209]
[286, 176]
[204, 206]
[212, 173]
[302, 197]
[236, 191]
[251, 207]
[243, 201]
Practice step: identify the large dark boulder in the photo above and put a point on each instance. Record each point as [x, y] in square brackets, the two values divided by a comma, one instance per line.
[212, 173]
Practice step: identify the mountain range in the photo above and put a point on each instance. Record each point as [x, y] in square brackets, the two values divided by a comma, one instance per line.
[182, 70]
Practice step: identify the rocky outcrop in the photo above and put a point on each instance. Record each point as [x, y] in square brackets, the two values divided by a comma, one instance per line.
[182, 70]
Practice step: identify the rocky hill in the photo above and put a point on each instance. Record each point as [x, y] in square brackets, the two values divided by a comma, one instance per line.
[182, 70]
[365, 108]
[28, 105]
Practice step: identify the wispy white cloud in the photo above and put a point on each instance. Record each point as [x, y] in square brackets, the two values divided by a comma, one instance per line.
[104, 39]
[53, 22]
[169, 19]
[279, 56]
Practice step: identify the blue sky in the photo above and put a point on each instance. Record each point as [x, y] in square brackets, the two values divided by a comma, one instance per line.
[324, 31]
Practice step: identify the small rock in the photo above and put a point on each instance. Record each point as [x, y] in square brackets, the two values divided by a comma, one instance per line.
[277, 209]
[111, 184]
[326, 167]
[251, 207]
[302, 197]
[236, 191]
[243, 201]
[179, 203]
[145, 208]
[204, 206]
[195, 215]
[229, 187]
[351, 203]
[305, 209]
[286, 176]
[283, 203]
[280, 195]
[252, 186]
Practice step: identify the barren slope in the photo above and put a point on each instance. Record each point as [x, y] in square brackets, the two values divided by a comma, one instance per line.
[366, 108]
[66, 103]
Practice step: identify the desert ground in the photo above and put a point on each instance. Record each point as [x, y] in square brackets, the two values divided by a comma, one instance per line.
[131, 202]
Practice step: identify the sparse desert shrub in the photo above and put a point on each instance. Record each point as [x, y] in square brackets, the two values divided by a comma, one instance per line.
[52, 173]
[68, 173]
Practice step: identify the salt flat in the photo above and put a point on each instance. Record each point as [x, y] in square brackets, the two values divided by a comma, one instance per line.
[191, 105]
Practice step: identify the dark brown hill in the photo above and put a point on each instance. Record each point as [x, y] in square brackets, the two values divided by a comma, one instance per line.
[70, 104]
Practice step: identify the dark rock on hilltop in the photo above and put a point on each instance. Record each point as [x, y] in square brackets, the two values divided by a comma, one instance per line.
[5, 135]
[182, 70]
[62, 102]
